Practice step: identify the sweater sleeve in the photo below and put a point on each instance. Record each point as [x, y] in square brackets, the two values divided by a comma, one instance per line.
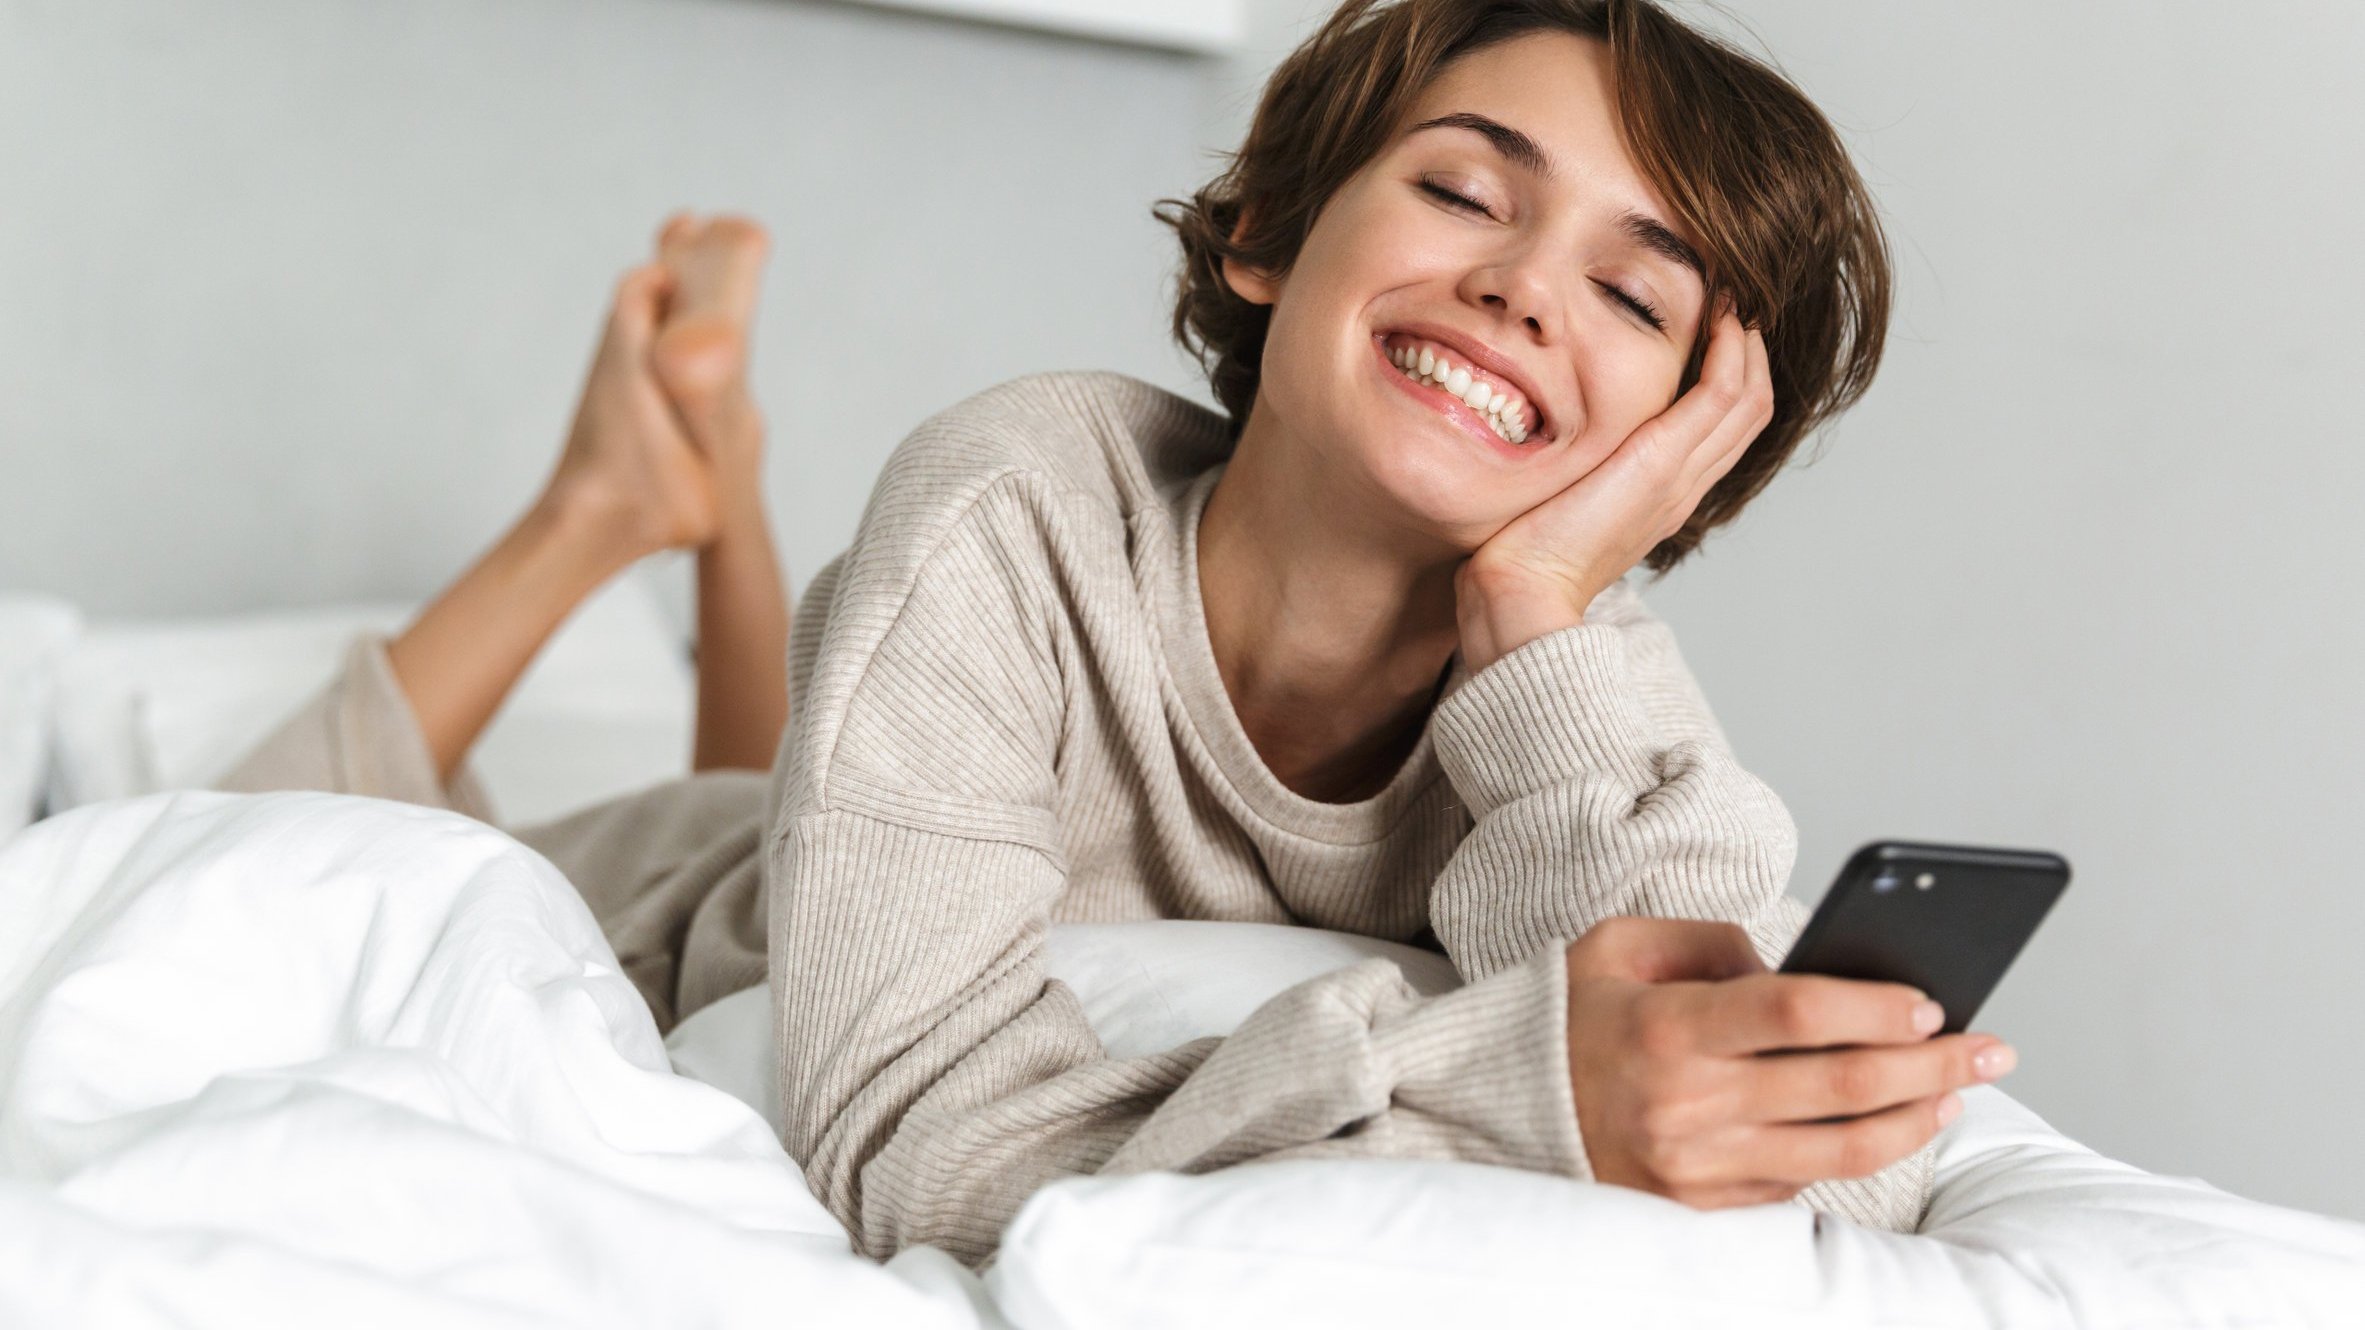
[932, 1075]
[1600, 784]
[357, 735]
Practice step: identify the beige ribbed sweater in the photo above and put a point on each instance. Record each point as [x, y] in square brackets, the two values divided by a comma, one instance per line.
[1006, 713]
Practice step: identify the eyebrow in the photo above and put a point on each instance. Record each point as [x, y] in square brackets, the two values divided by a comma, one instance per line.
[1525, 153]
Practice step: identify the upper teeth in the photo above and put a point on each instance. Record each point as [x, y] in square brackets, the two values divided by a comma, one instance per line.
[1500, 406]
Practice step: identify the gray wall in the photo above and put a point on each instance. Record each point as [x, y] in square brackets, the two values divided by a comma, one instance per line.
[2076, 575]
[319, 278]
[2082, 571]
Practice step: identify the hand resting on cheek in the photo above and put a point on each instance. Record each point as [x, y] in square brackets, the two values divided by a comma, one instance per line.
[1543, 568]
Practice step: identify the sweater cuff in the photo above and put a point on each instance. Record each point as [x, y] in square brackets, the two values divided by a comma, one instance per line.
[1557, 707]
[387, 753]
[358, 736]
[1492, 1059]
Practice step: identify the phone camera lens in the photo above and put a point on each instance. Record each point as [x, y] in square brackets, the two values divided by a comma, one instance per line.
[1885, 882]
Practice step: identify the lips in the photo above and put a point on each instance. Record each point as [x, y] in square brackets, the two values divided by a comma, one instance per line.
[1436, 364]
[1476, 353]
[1454, 410]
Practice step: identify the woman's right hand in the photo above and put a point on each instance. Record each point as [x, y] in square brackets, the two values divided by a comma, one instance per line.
[1700, 1075]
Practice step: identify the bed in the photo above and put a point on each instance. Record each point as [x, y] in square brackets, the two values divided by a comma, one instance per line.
[312, 1059]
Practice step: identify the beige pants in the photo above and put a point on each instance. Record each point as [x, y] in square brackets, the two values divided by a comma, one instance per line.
[673, 873]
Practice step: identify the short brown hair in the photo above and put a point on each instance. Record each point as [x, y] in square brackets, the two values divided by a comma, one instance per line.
[1748, 165]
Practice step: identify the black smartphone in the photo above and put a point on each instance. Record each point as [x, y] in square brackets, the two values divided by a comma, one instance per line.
[1947, 919]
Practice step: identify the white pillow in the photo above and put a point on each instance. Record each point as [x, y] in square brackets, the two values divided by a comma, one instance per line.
[1146, 987]
[2029, 1228]
[35, 632]
[159, 704]
[153, 704]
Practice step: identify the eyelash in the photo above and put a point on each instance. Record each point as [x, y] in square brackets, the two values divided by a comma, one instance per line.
[1636, 303]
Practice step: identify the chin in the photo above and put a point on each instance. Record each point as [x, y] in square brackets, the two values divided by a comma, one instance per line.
[1444, 496]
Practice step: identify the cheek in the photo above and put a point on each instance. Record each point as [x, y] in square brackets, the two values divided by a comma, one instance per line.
[1622, 394]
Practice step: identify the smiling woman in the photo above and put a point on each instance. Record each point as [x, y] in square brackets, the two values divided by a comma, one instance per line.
[1501, 301]
[1732, 180]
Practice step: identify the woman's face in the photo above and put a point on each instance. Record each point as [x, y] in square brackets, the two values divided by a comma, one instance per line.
[1575, 281]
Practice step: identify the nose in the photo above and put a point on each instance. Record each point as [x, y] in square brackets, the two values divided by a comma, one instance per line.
[1517, 289]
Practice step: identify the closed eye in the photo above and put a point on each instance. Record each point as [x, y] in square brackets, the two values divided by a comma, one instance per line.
[1641, 308]
[1453, 199]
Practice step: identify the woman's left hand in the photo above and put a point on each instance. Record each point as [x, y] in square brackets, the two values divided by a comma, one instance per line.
[1538, 573]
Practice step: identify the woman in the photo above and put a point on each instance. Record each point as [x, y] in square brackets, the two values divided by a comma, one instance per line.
[1356, 654]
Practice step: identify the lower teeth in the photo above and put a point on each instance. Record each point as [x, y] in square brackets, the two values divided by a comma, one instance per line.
[1485, 416]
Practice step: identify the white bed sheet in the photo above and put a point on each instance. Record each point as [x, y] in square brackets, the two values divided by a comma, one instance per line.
[310, 1059]
[306, 1059]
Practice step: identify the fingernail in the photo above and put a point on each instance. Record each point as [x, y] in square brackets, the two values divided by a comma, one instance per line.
[1928, 1016]
[1994, 1062]
[1949, 1108]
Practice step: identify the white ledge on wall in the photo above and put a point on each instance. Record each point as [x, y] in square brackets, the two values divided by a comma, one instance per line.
[1214, 27]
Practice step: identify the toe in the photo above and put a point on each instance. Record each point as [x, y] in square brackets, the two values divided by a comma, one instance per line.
[739, 246]
[742, 238]
[678, 230]
[640, 297]
[719, 269]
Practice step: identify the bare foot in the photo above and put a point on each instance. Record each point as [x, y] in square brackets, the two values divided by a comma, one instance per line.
[629, 461]
[701, 348]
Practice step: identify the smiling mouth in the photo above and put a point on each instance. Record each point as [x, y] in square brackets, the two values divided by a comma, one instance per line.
[1489, 428]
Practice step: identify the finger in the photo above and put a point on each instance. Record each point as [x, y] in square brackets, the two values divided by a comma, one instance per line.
[1715, 458]
[1857, 1148]
[1756, 407]
[1725, 374]
[1741, 425]
[1807, 1086]
[1757, 390]
[1683, 427]
[1775, 1010]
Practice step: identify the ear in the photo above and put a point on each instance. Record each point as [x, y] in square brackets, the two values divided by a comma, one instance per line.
[1248, 283]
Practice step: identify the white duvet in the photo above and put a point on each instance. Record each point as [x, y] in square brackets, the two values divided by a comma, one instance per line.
[306, 1059]
[314, 1060]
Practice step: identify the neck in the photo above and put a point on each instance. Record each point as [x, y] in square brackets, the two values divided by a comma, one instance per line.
[1332, 623]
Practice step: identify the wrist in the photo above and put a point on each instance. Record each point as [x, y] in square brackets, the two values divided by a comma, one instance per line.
[1500, 609]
